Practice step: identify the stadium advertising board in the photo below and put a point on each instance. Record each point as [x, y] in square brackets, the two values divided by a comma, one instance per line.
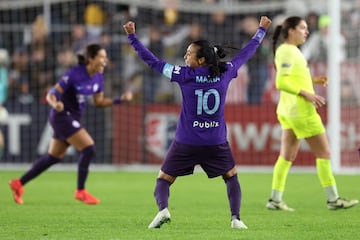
[27, 133]
[253, 132]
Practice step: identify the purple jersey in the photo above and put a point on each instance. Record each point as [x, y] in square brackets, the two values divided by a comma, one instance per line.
[77, 86]
[201, 119]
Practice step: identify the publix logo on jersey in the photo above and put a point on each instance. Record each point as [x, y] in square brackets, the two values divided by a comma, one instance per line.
[160, 131]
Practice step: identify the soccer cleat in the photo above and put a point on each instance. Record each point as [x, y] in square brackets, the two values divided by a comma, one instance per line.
[238, 224]
[342, 203]
[17, 189]
[162, 217]
[273, 205]
[85, 197]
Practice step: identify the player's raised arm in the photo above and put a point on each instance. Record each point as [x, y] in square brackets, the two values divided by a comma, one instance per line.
[143, 52]
[129, 27]
[265, 22]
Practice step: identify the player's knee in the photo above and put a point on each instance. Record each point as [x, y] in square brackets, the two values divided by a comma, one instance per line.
[325, 154]
[89, 151]
[232, 172]
[86, 155]
[166, 177]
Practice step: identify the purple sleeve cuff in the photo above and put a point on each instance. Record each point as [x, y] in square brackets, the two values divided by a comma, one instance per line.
[56, 93]
[116, 100]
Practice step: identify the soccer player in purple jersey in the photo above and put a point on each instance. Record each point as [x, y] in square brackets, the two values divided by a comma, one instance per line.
[201, 131]
[68, 100]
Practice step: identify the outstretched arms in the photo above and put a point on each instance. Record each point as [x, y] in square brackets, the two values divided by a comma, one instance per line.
[145, 54]
[248, 51]
[265, 22]
[101, 101]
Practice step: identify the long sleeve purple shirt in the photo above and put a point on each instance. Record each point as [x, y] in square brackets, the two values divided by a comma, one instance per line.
[201, 119]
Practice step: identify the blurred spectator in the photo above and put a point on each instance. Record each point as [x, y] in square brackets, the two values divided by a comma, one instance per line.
[114, 65]
[348, 93]
[312, 19]
[351, 33]
[65, 59]
[94, 18]
[258, 68]
[195, 32]
[220, 30]
[316, 47]
[4, 63]
[79, 38]
[41, 58]
[152, 79]
[19, 77]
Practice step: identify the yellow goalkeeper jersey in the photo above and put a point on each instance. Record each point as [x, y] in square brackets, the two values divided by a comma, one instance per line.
[293, 75]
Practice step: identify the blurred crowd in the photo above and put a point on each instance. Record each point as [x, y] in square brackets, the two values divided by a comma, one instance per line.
[36, 59]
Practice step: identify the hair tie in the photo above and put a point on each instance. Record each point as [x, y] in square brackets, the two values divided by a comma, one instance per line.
[215, 49]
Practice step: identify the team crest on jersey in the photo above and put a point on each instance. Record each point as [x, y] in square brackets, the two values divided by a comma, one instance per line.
[286, 65]
[96, 87]
[177, 69]
[75, 124]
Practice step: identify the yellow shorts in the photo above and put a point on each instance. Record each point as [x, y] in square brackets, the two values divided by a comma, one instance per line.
[303, 127]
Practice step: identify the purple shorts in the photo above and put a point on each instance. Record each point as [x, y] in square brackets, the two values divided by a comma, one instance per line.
[64, 126]
[214, 160]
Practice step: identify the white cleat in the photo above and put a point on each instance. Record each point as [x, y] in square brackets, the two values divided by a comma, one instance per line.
[238, 224]
[272, 205]
[162, 217]
[342, 203]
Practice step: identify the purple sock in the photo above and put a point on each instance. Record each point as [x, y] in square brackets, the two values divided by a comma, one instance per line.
[234, 196]
[162, 193]
[39, 166]
[83, 166]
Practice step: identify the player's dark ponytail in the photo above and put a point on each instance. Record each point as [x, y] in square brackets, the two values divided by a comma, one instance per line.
[90, 52]
[275, 37]
[81, 58]
[212, 55]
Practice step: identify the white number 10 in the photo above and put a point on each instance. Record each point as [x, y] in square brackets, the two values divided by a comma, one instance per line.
[202, 101]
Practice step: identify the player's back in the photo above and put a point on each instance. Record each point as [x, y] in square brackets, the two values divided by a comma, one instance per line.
[202, 113]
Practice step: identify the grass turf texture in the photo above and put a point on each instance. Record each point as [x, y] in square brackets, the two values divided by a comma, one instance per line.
[198, 206]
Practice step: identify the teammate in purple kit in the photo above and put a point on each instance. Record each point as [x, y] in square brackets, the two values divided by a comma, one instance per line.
[68, 100]
[201, 131]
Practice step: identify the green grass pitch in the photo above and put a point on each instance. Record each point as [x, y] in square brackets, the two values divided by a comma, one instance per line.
[198, 206]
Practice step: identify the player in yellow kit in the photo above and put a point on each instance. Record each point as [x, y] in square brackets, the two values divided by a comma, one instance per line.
[296, 112]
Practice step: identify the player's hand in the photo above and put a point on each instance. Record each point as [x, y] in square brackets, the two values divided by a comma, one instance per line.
[265, 22]
[315, 99]
[318, 101]
[321, 80]
[127, 96]
[58, 106]
[129, 27]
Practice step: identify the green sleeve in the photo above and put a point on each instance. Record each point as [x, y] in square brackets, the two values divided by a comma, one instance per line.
[284, 83]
